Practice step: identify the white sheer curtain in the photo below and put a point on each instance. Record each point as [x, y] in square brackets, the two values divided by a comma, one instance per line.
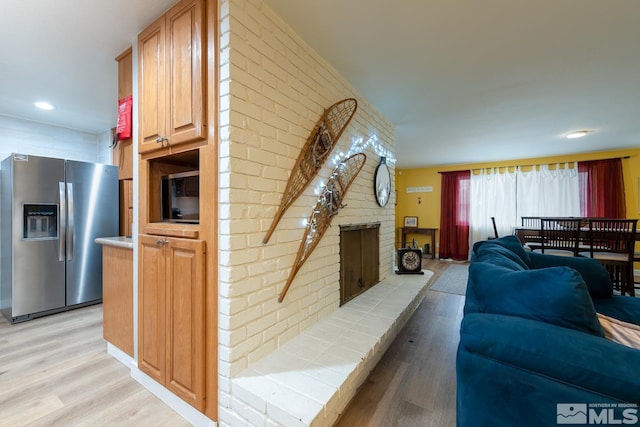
[507, 196]
[549, 192]
[493, 194]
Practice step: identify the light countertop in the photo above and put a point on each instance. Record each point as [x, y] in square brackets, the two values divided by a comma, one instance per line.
[121, 241]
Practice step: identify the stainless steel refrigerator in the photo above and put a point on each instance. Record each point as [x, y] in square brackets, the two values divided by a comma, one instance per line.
[51, 212]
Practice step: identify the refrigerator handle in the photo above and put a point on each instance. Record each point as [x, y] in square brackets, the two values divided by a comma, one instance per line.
[70, 221]
[62, 228]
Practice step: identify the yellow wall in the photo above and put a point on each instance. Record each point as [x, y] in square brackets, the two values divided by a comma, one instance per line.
[426, 206]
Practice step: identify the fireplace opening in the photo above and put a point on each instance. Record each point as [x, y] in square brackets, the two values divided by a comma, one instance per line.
[359, 259]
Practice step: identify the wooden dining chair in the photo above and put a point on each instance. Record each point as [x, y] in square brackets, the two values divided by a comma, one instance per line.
[530, 233]
[560, 236]
[612, 243]
[636, 258]
[495, 228]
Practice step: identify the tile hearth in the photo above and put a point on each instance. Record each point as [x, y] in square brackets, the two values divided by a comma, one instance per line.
[311, 379]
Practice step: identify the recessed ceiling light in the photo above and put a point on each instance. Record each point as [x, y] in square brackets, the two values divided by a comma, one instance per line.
[578, 134]
[43, 105]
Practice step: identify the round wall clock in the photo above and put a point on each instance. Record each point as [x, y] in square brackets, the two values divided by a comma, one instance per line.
[409, 261]
[382, 183]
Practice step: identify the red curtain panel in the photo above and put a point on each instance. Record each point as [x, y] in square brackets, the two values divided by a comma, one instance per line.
[602, 187]
[454, 215]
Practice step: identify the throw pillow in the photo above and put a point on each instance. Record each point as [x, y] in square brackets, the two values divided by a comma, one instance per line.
[512, 243]
[621, 332]
[593, 273]
[555, 295]
[499, 255]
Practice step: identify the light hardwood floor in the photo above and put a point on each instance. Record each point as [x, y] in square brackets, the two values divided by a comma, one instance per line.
[413, 385]
[55, 371]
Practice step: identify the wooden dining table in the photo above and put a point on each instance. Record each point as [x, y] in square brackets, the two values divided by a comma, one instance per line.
[523, 232]
[532, 238]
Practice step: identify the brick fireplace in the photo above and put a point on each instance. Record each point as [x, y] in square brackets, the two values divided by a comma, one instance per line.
[299, 361]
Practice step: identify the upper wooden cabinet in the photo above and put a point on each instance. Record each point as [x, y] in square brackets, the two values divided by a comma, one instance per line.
[123, 151]
[172, 73]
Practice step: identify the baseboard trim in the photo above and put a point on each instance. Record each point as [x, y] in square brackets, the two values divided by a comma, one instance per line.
[187, 411]
[120, 355]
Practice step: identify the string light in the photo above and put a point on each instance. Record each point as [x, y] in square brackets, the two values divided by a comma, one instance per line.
[358, 145]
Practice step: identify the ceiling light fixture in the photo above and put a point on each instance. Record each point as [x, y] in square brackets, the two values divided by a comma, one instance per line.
[578, 134]
[43, 105]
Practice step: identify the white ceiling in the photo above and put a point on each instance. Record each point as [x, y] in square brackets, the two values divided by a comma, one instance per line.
[463, 81]
[63, 52]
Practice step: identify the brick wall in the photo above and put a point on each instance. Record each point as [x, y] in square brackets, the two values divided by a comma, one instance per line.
[273, 89]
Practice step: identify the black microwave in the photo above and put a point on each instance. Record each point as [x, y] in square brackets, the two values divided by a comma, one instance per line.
[180, 197]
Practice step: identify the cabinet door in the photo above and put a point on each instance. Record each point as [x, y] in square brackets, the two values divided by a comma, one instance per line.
[185, 320]
[117, 297]
[152, 307]
[186, 95]
[151, 87]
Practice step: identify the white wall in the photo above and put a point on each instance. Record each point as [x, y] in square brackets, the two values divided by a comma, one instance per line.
[41, 139]
[105, 153]
[273, 89]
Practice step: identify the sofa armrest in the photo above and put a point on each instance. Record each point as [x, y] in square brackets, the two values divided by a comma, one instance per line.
[593, 273]
[566, 356]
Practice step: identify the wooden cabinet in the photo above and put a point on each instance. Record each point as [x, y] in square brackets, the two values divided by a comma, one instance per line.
[171, 326]
[172, 89]
[117, 297]
[126, 207]
[123, 151]
[177, 112]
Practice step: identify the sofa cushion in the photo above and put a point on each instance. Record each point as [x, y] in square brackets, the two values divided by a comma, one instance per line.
[556, 295]
[512, 243]
[569, 358]
[619, 307]
[593, 273]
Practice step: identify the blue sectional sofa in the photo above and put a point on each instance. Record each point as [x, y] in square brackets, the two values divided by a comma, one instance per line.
[532, 351]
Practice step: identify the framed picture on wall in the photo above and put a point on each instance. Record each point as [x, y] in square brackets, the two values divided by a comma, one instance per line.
[410, 221]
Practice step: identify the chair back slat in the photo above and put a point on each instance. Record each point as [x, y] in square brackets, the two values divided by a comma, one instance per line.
[560, 234]
[530, 222]
[612, 235]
